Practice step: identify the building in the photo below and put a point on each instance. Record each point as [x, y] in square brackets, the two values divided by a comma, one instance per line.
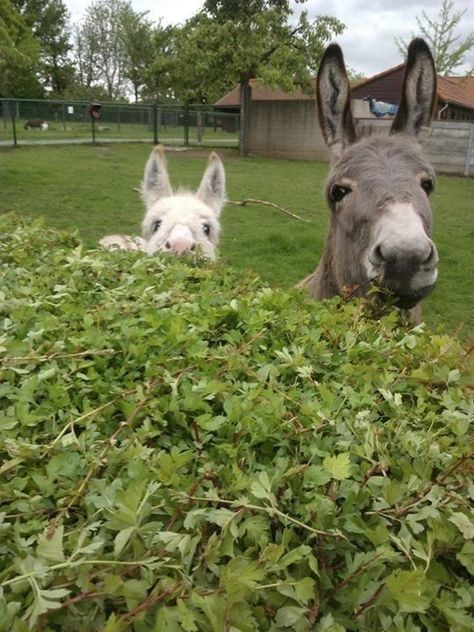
[455, 94]
[286, 125]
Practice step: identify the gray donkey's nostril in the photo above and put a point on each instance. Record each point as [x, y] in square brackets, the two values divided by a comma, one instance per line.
[432, 255]
[377, 254]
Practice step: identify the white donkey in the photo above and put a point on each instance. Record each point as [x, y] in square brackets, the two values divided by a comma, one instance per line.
[181, 222]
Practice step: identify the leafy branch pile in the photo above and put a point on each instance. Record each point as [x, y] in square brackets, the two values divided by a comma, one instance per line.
[184, 448]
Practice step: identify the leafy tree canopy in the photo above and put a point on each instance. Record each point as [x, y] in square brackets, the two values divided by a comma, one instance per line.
[19, 54]
[49, 23]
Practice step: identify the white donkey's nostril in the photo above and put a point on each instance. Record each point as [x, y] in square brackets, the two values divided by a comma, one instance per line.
[180, 240]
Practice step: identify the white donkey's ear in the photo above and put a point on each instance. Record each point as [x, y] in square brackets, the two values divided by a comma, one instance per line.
[418, 91]
[334, 100]
[212, 188]
[156, 182]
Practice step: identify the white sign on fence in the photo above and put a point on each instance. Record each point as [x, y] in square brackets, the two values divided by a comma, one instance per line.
[70, 109]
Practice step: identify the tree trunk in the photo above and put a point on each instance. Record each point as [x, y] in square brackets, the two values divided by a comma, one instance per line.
[245, 101]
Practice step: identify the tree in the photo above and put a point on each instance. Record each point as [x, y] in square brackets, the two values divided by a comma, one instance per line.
[160, 73]
[448, 50]
[48, 21]
[99, 47]
[232, 41]
[113, 47]
[136, 34]
[19, 55]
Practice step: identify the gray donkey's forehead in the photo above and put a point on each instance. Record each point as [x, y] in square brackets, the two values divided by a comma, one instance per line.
[379, 158]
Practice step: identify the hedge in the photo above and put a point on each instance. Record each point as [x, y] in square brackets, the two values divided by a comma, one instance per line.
[185, 448]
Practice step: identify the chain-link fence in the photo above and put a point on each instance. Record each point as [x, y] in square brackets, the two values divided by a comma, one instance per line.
[25, 122]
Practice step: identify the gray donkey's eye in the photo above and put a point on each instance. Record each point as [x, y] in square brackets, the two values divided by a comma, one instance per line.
[338, 192]
[427, 184]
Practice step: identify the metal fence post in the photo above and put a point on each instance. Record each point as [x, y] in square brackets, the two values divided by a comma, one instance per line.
[470, 145]
[155, 123]
[93, 129]
[186, 125]
[13, 117]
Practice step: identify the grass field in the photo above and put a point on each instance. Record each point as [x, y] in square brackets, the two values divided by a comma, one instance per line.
[91, 189]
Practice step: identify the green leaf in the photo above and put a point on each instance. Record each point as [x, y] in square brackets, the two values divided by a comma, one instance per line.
[289, 616]
[327, 624]
[464, 524]
[113, 625]
[408, 588]
[187, 618]
[261, 488]
[466, 556]
[121, 540]
[239, 577]
[50, 545]
[338, 466]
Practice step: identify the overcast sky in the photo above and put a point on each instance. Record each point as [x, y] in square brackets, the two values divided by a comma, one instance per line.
[372, 25]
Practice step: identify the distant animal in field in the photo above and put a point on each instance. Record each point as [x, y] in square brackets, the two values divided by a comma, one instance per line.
[181, 222]
[381, 108]
[378, 190]
[36, 123]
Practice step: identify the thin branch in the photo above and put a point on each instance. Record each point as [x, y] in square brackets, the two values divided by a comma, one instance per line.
[401, 511]
[59, 356]
[267, 509]
[150, 601]
[370, 602]
[271, 204]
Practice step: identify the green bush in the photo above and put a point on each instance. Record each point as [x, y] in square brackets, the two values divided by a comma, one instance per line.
[185, 448]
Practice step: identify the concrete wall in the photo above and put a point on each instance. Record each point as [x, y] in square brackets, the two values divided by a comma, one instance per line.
[448, 145]
[286, 129]
[290, 129]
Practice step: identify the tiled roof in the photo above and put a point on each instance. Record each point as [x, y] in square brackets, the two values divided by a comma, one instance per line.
[262, 93]
[456, 90]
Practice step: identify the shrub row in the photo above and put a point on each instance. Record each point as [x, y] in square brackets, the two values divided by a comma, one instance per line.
[185, 448]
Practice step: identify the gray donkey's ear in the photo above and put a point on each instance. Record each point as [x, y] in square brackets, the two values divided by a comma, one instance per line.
[418, 91]
[156, 182]
[212, 188]
[334, 100]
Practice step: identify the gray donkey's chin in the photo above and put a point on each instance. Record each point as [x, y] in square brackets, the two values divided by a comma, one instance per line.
[407, 301]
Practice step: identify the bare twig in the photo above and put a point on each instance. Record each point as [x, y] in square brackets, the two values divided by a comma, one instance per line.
[401, 511]
[151, 600]
[370, 602]
[271, 204]
[58, 356]
[267, 509]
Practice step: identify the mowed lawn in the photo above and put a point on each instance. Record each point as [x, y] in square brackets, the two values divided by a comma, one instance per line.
[91, 189]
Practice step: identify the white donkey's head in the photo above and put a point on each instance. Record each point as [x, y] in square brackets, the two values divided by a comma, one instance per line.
[182, 222]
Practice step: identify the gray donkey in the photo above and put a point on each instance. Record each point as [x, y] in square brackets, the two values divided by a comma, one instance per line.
[378, 190]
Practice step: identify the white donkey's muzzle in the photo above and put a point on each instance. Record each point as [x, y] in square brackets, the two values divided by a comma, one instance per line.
[180, 240]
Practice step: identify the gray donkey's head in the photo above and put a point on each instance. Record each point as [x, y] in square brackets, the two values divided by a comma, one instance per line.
[378, 189]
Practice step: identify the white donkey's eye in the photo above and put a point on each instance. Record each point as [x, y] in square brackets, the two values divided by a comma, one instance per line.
[206, 228]
[155, 226]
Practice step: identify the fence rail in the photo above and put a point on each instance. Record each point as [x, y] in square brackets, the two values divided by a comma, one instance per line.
[25, 122]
